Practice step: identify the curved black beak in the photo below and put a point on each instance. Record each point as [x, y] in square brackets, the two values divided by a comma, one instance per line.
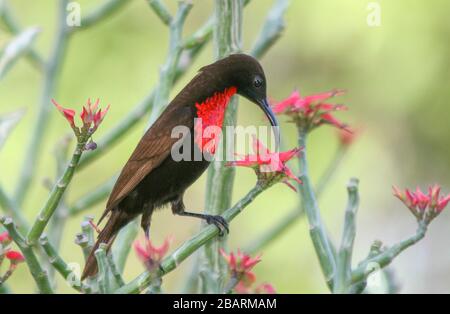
[265, 106]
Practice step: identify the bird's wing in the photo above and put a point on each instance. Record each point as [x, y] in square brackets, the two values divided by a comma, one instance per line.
[154, 147]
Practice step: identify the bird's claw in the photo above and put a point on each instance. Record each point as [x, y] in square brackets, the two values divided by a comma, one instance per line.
[219, 222]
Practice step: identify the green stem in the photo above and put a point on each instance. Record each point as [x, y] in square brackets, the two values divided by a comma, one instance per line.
[200, 36]
[191, 283]
[58, 220]
[13, 209]
[169, 68]
[190, 246]
[272, 29]
[295, 214]
[159, 102]
[317, 230]
[55, 195]
[232, 283]
[93, 197]
[107, 141]
[123, 243]
[40, 276]
[384, 258]
[115, 271]
[134, 116]
[161, 11]
[343, 278]
[18, 46]
[51, 73]
[101, 12]
[227, 40]
[102, 277]
[14, 28]
[82, 240]
[61, 267]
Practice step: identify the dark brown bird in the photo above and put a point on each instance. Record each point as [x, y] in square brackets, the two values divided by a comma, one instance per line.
[152, 178]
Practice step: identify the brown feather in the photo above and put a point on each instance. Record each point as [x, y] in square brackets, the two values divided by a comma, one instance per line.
[154, 147]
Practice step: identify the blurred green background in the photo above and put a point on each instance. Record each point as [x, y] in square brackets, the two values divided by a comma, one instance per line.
[397, 78]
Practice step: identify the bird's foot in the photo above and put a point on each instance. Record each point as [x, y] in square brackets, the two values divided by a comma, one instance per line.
[219, 222]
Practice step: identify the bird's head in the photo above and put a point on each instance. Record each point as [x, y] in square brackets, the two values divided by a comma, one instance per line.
[246, 74]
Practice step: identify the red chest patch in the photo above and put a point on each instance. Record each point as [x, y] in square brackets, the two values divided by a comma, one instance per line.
[210, 115]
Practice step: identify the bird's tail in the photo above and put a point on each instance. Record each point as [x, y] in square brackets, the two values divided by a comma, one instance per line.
[116, 221]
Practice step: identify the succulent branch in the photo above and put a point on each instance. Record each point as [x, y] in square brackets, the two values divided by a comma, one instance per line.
[56, 194]
[38, 273]
[169, 68]
[17, 47]
[227, 40]
[13, 209]
[343, 278]
[103, 277]
[190, 246]
[385, 257]
[99, 13]
[51, 73]
[272, 29]
[61, 267]
[289, 219]
[93, 197]
[318, 234]
[160, 9]
[12, 25]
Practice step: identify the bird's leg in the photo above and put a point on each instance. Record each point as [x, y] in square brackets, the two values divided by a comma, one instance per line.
[179, 209]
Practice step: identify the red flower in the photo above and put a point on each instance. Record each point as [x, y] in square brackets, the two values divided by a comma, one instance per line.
[89, 115]
[311, 110]
[5, 238]
[68, 113]
[15, 257]
[151, 255]
[424, 206]
[240, 266]
[269, 164]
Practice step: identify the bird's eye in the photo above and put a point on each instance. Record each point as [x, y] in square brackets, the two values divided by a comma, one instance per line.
[258, 82]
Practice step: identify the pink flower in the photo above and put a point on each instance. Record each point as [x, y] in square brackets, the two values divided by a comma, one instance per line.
[151, 255]
[15, 257]
[312, 110]
[5, 238]
[424, 206]
[90, 113]
[240, 266]
[269, 165]
[91, 116]
[68, 113]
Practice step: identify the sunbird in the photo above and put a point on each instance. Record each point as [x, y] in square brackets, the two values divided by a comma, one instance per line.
[151, 178]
